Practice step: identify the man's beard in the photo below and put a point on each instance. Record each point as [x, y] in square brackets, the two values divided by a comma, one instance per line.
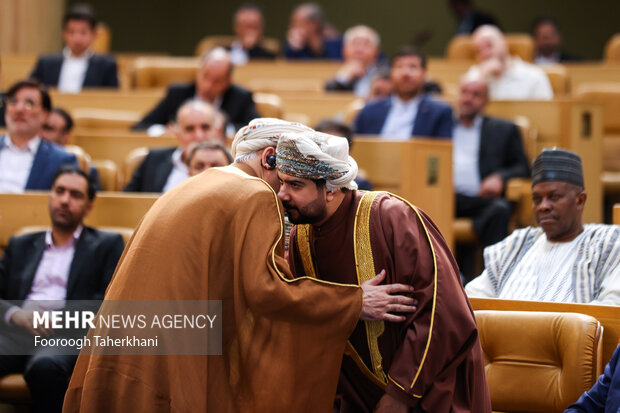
[312, 213]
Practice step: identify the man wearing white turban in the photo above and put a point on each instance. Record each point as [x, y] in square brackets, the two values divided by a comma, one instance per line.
[219, 236]
[430, 362]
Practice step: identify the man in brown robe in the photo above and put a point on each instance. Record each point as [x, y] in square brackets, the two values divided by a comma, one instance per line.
[432, 361]
[218, 236]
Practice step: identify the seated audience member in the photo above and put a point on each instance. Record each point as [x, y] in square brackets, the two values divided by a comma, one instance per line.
[562, 260]
[213, 85]
[207, 154]
[548, 42]
[306, 35]
[77, 67]
[408, 111]
[26, 161]
[509, 77]
[604, 396]
[69, 262]
[469, 18]
[57, 129]
[361, 61]
[336, 128]
[163, 169]
[380, 86]
[58, 126]
[487, 152]
[248, 25]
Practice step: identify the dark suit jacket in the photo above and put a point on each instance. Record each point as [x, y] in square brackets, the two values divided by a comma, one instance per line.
[153, 172]
[237, 103]
[96, 256]
[101, 71]
[47, 160]
[434, 119]
[501, 150]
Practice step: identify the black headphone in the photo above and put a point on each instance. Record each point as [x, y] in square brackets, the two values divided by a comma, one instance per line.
[271, 161]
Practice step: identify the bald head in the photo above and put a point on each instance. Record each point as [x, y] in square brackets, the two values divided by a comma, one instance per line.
[214, 75]
[195, 123]
[473, 97]
[489, 42]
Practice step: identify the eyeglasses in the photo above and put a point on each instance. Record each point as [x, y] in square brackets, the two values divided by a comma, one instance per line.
[29, 104]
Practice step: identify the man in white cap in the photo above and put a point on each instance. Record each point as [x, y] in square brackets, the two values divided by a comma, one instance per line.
[219, 236]
[562, 259]
[432, 361]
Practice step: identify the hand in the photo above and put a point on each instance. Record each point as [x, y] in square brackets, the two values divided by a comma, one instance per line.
[492, 67]
[379, 303]
[353, 69]
[492, 186]
[388, 404]
[296, 38]
[24, 319]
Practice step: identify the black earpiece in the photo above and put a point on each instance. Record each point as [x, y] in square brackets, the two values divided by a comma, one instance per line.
[271, 161]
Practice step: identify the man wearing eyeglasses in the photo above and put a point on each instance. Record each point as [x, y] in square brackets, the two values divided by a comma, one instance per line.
[26, 161]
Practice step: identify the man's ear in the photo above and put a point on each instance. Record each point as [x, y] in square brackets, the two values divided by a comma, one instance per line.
[581, 199]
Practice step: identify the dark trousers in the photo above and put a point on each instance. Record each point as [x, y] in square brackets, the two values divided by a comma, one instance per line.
[46, 374]
[490, 217]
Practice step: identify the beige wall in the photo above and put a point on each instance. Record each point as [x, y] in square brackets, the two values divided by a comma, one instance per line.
[30, 26]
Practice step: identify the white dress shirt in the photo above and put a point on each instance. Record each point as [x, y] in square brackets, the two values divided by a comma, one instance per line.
[15, 164]
[49, 285]
[400, 119]
[73, 71]
[238, 55]
[465, 154]
[179, 173]
[521, 81]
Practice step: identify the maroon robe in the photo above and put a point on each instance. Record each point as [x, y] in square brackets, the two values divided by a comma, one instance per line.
[440, 373]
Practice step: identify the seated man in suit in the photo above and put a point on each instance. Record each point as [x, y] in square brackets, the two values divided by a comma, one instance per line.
[548, 42]
[509, 77]
[306, 37]
[248, 26]
[207, 154]
[69, 262]
[213, 85]
[361, 61]
[163, 169]
[28, 162]
[408, 112]
[487, 152]
[58, 126]
[77, 67]
[561, 260]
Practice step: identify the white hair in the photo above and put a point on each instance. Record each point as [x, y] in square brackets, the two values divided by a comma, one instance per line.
[362, 30]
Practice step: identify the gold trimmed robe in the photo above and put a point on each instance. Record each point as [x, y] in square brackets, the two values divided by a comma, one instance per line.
[433, 361]
[218, 236]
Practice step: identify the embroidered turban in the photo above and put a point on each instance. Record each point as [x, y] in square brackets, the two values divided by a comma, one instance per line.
[261, 133]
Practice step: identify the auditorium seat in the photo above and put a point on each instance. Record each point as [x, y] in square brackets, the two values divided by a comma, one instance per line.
[612, 49]
[82, 157]
[461, 47]
[108, 174]
[207, 43]
[132, 161]
[101, 45]
[539, 361]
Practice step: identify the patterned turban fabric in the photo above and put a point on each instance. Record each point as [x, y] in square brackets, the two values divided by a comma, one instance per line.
[316, 155]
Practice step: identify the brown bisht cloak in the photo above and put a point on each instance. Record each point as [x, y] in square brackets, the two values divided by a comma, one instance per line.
[218, 236]
[433, 361]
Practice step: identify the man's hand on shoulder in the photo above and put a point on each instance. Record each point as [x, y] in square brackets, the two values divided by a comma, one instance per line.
[382, 301]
